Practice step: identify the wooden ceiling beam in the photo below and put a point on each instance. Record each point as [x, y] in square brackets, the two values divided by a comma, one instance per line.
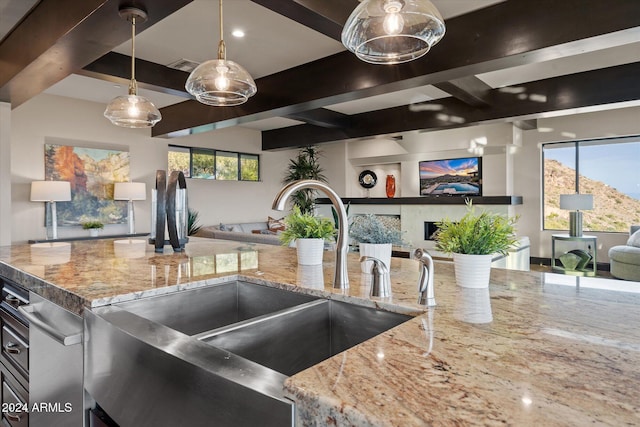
[116, 67]
[544, 98]
[323, 118]
[60, 37]
[324, 16]
[470, 90]
[504, 35]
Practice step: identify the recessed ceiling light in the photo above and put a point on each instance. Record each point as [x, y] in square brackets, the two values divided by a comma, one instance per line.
[237, 33]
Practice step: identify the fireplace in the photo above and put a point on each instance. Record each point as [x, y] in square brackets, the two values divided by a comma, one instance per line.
[430, 227]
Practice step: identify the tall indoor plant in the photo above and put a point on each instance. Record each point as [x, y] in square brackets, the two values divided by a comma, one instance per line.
[374, 239]
[309, 233]
[305, 166]
[474, 240]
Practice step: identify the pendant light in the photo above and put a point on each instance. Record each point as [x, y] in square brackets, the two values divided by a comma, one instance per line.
[220, 82]
[392, 31]
[132, 111]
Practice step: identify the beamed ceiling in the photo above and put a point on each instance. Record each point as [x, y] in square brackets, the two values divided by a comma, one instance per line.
[514, 60]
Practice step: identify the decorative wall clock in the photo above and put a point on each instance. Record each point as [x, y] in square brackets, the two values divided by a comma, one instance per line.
[368, 179]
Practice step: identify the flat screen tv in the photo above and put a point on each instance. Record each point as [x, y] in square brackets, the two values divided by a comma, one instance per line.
[451, 177]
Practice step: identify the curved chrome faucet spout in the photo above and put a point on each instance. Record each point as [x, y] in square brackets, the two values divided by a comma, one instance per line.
[340, 279]
[426, 294]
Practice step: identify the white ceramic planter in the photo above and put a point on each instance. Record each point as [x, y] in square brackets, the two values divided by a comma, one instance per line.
[310, 251]
[94, 232]
[382, 251]
[472, 271]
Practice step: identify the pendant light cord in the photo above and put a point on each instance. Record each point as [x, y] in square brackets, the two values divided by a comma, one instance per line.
[133, 85]
[222, 53]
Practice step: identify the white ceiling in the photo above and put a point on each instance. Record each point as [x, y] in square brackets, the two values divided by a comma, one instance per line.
[274, 43]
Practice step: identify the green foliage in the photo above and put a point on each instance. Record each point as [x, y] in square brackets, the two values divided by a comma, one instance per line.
[249, 167]
[179, 161]
[226, 166]
[305, 166]
[92, 224]
[335, 215]
[306, 226]
[192, 222]
[370, 229]
[476, 234]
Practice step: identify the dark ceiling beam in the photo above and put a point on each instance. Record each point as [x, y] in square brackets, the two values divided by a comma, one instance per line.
[474, 44]
[116, 67]
[59, 37]
[470, 90]
[324, 16]
[543, 98]
[323, 118]
[526, 124]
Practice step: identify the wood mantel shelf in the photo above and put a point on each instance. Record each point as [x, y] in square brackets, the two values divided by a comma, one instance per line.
[427, 200]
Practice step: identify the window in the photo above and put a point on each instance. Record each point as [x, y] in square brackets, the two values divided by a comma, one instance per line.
[607, 168]
[180, 160]
[214, 164]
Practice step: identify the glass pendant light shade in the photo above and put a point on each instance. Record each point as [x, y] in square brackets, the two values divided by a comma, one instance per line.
[221, 82]
[132, 111]
[392, 31]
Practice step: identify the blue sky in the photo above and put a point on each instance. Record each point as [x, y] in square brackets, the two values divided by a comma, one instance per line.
[617, 165]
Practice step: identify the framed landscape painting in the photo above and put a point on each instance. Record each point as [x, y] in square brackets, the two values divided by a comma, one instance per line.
[92, 173]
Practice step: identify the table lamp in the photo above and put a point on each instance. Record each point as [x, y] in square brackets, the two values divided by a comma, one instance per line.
[51, 192]
[576, 203]
[130, 191]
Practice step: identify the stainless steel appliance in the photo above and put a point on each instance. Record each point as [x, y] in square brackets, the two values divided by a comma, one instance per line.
[56, 395]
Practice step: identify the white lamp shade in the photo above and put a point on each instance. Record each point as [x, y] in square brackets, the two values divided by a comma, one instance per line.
[50, 191]
[130, 191]
[576, 202]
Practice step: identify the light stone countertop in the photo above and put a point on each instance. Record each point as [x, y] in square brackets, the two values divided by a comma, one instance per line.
[535, 349]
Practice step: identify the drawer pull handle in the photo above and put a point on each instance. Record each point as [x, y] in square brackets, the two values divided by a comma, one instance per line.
[12, 348]
[13, 417]
[12, 301]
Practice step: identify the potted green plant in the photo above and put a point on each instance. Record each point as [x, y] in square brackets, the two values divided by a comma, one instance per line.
[305, 166]
[309, 233]
[93, 226]
[374, 238]
[473, 241]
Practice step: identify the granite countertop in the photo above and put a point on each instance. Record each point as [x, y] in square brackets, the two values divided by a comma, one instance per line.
[535, 349]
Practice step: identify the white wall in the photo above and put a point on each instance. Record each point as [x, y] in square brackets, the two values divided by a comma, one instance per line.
[48, 118]
[5, 173]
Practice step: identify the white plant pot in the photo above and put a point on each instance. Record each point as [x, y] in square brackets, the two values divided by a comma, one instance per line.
[472, 271]
[93, 232]
[310, 251]
[382, 251]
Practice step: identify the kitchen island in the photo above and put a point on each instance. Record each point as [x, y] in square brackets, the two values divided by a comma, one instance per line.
[536, 349]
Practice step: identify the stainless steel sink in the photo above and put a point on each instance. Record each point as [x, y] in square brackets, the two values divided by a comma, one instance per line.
[203, 309]
[217, 355]
[300, 337]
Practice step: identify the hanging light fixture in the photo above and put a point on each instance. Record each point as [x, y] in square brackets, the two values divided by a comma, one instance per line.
[132, 111]
[220, 82]
[392, 31]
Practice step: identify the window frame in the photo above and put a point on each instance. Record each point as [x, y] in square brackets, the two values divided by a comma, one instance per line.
[214, 153]
[576, 146]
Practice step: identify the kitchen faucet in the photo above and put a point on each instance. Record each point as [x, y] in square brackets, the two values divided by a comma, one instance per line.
[425, 283]
[340, 278]
[380, 282]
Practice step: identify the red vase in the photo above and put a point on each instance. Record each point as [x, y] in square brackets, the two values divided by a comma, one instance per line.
[391, 186]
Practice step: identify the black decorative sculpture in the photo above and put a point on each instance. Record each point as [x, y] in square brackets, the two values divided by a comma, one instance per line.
[171, 210]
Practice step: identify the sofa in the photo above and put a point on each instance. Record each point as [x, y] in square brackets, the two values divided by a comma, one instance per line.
[255, 232]
[625, 259]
